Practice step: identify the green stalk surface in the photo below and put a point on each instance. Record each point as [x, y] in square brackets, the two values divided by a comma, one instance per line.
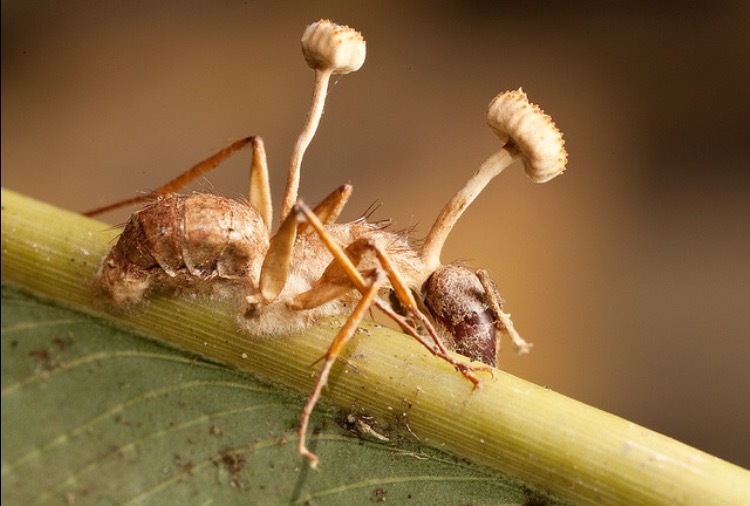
[544, 439]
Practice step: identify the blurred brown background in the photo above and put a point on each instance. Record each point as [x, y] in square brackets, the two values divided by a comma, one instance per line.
[630, 273]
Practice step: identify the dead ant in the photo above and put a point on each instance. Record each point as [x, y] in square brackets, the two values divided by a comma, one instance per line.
[312, 267]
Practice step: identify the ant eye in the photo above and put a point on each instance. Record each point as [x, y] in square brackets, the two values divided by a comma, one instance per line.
[457, 302]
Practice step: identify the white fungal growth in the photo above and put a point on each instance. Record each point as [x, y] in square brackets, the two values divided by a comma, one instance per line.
[526, 133]
[329, 49]
[516, 120]
[339, 48]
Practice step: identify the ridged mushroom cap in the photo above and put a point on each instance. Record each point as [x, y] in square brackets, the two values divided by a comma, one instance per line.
[514, 119]
[339, 48]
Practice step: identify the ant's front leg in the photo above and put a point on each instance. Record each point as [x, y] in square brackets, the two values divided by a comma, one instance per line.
[342, 274]
[504, 323]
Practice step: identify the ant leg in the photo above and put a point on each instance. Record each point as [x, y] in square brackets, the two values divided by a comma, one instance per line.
[329, 209]
[275, 269]
[339, 255]
[504, 323]
[259, 193]
[350, 272]
[439, 351]
[335, 280]
[276, 265]
[408, 302]
[258, 173]
[343, 336]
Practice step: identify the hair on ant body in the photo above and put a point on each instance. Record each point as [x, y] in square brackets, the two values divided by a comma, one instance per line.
[312, 267]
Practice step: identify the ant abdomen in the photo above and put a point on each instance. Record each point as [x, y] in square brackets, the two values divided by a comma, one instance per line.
[462, 310]
[189, 242]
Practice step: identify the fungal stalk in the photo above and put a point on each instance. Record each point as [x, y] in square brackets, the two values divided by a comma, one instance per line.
[526, 133]
[329, 49]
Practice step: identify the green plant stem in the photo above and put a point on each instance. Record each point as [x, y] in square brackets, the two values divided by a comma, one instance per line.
[548, 441]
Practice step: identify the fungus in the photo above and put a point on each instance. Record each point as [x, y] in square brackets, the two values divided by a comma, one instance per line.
[526, 133]
[519, 123]
[329, 49]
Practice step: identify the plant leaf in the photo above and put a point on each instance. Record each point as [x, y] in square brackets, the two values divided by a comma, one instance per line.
[94, 415]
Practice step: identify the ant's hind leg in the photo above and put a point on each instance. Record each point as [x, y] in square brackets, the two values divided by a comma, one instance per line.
[210, 163]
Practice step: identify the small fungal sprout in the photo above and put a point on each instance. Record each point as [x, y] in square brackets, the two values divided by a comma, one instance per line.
[312, 267]
[329, 49]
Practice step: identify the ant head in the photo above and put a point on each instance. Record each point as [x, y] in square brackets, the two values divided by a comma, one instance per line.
[464, 312]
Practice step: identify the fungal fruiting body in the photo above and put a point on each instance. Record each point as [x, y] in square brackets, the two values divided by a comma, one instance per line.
[312, 267]
[519, 123]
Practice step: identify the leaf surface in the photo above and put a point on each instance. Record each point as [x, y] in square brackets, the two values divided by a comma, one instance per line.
[94, 415]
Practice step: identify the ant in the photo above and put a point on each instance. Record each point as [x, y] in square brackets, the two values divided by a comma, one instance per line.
[313, 267]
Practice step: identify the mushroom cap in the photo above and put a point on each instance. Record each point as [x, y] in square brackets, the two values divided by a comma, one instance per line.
[514, 119]
[338, 48]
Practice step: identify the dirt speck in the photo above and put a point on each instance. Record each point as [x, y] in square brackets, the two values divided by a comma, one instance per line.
[184, 465]
[63, 343]
[43, 360]
[534, 499]
[234, 462]
[378, 495]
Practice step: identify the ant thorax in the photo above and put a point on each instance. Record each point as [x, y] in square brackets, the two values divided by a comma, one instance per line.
[311, 267]
[290, 312]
